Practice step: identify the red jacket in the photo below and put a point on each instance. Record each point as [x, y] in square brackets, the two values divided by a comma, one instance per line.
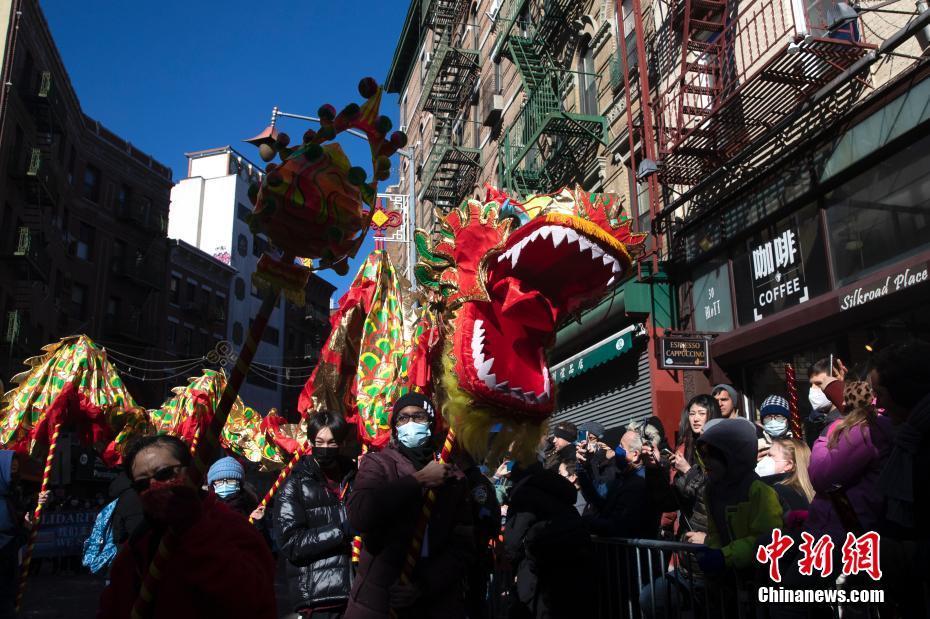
[221, 568]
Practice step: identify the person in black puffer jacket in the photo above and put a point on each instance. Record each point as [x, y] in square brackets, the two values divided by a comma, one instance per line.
[312, 525]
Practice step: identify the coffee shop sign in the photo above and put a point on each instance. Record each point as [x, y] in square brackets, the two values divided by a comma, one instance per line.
[910, 276]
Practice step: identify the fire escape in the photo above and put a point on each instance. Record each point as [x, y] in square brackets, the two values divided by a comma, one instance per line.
[451, 169]
[545, 146]
[744, 67]
[39, 182]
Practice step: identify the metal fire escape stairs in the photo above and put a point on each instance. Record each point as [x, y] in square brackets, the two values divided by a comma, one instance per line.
[451, 169]
[743, 68]
[545, 146]
[39, 181]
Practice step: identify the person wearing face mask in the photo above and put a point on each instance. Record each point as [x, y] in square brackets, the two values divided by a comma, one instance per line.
[825, 395]
[773, 417]
[385, 506]
[218, 564]
[226, 478]
[787, 474]
[312, 523]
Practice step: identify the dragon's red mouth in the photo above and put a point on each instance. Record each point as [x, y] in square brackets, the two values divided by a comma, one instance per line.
[546, 270]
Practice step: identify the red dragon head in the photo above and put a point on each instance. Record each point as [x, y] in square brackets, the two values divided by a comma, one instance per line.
[510, 274]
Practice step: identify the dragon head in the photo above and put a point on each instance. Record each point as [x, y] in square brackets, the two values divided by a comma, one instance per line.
[509, 274]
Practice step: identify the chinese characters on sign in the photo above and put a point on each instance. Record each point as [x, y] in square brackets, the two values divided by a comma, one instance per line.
[777, 274]
[860, 555]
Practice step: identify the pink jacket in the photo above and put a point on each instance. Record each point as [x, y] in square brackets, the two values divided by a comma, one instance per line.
[854, 463]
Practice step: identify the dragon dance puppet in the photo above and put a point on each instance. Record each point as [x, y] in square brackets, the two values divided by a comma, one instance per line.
[501, 277]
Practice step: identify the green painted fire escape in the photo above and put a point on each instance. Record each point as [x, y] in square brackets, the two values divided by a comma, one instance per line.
[545, 146]
[451, 169]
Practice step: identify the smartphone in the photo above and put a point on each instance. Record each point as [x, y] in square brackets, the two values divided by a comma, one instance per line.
[510, 466]
[668, 453]
[582, 437]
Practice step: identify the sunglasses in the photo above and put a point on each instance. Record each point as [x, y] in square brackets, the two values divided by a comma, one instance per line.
[164, 474]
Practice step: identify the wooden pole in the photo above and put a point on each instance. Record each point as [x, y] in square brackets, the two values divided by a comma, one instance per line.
[282, 477]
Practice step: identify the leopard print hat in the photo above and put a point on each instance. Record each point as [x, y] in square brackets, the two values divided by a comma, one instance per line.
[858, 395]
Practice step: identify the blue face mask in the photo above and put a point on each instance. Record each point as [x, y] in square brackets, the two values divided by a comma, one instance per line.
[226, 490]
[413, 434]
[620, 454]
[775, 425]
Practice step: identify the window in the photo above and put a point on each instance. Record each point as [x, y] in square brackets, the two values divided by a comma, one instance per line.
[205, 295]
[242, 245]
[237, 334]
[259, 246]
[171, 334]
[174, 290]
[264, 378]
[587, 81]
[255, 292]
[85, 244]
[72, 160]
[629, 32]
[191, 295]
[271, 335]
[239, 288]
[79, 301]
[243, 213]
[188, 339]
[91, 183]
[881, 215]
[123, 196]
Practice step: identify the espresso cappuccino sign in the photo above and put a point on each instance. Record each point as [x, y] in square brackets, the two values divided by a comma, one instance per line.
[877, 289]
[684, 353]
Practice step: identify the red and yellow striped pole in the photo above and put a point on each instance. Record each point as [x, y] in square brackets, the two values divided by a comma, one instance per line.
[37, 517]
[282, 476]
[195, 440]
[413, 552]
[797, 429]
[207, 447]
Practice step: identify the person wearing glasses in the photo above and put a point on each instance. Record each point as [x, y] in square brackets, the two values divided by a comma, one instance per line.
[217, 564]
[312, 525]
[385, 506]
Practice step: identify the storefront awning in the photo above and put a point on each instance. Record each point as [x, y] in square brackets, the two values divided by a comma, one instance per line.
[598, 354]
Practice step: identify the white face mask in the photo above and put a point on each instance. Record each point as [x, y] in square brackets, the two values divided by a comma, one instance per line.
[766, 466]
[819, 400]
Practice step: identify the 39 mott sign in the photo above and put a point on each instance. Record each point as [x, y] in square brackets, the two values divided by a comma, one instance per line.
[684, 353]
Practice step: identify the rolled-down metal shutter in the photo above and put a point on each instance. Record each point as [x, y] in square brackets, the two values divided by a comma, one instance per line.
[613, 394]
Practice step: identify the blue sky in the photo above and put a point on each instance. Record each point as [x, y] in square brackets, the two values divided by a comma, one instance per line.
[173, 77]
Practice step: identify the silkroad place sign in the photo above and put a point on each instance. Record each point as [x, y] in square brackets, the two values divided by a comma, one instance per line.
[684, 352]
[878, 288]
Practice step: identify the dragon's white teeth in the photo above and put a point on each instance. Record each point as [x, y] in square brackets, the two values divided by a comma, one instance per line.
[502, 385]
[533, 236]
[584, 243]
[597, 252]
[485, 368]
[517, 391]
[545, 231]
[611, 281]
[491, 380]
[607, 259]
[616, 268]
[514, 256]
[558, 235]
[530, 396]
[543, 398]
[571, 235]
